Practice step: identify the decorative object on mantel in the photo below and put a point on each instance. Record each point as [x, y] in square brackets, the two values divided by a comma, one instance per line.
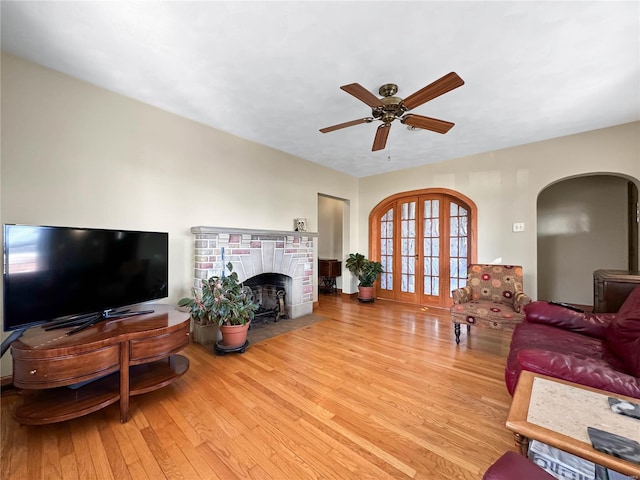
[367, 272]
[224, 302]
[300, 224]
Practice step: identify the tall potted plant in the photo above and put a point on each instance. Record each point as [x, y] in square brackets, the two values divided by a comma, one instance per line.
[224, 302]
[367, 272]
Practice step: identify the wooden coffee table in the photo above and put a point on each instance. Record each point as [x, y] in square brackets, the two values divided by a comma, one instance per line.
[557, 413]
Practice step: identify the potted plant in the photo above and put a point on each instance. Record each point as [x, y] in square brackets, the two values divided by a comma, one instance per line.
[224, 302]
[367, 272]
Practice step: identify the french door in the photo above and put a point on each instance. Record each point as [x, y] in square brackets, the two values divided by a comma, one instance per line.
[424, 240]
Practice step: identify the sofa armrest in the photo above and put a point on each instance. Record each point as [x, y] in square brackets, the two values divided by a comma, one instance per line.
[580, 370]
[461, 295]
[592, 324]
[520, 300]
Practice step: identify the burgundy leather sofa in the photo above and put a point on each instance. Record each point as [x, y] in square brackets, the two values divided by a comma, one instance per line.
[599, 350]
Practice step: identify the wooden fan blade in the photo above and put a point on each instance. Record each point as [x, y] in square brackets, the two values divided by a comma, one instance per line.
[433, 90]
[428, 123]
[346, 124]
[381, 137]
[362, 94]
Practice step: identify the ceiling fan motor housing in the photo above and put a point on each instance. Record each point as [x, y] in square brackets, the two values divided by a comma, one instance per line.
[391, 109]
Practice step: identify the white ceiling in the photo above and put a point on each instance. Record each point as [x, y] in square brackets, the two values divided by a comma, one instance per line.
[270, 71]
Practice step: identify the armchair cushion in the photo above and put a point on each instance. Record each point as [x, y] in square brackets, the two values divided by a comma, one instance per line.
[594, 325]
[496, 283]
[493, 314]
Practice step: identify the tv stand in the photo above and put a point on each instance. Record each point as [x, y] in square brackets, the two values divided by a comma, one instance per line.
[112, 359]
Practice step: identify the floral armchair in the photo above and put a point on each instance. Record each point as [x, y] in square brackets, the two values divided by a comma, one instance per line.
[493, 298]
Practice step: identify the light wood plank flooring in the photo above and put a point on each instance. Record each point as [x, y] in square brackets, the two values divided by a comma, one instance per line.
[375, 391]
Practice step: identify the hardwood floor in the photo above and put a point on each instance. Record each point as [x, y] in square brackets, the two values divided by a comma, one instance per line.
[375, 391]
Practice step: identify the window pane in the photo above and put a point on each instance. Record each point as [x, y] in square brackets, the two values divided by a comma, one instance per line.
[427, 226]
[453, 228]
[453, 265]
[454, 247]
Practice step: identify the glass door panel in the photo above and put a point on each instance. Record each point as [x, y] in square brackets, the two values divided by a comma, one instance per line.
[431, 247]
[386, 250]
[458, 245]
[408, 247]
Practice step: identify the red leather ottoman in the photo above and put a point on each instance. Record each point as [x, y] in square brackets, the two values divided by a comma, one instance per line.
[513, 466]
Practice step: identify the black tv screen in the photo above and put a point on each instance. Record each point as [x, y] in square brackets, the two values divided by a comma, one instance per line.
[54, 272]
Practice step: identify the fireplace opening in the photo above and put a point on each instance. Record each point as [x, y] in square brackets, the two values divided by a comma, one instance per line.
[269, 292]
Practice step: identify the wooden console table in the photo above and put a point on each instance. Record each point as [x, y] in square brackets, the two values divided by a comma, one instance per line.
[116, 358]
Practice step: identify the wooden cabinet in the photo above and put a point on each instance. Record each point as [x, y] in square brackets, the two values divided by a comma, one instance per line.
[63, 377]
[611, 288]
[328, 270]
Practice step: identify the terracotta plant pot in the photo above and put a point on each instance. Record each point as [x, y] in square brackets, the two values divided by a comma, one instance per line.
[366, 294]
[234, 335]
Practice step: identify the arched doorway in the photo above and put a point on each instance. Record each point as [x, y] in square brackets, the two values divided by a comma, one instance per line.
[424, 239]
[584, 224]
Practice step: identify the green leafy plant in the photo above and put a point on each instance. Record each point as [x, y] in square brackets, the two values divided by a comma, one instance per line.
[366, 271]
[223, 301]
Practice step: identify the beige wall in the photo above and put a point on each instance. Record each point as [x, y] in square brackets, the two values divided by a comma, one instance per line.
[505, 185]
[74, 154]
[77, 155]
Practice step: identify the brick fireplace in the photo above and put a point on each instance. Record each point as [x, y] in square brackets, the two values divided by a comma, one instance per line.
[255, 252]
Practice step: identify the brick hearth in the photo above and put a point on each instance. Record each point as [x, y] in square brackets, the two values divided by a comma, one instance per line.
[253, 252]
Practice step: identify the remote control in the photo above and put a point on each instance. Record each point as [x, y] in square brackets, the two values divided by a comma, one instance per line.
[567, 305]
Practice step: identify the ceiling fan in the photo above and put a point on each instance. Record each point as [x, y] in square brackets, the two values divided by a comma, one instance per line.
[389, 108]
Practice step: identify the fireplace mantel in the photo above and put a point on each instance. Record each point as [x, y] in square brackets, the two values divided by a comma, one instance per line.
[253, 252]
[250, 231]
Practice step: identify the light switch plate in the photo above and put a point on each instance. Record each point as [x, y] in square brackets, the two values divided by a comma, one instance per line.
[518, 227]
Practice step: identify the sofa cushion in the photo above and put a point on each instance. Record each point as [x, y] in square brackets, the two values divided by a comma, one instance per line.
[555, 348]
[623, 333]
[592, 324]
[592, 372]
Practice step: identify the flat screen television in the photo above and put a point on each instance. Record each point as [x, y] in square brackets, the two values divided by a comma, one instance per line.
[63, 272]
